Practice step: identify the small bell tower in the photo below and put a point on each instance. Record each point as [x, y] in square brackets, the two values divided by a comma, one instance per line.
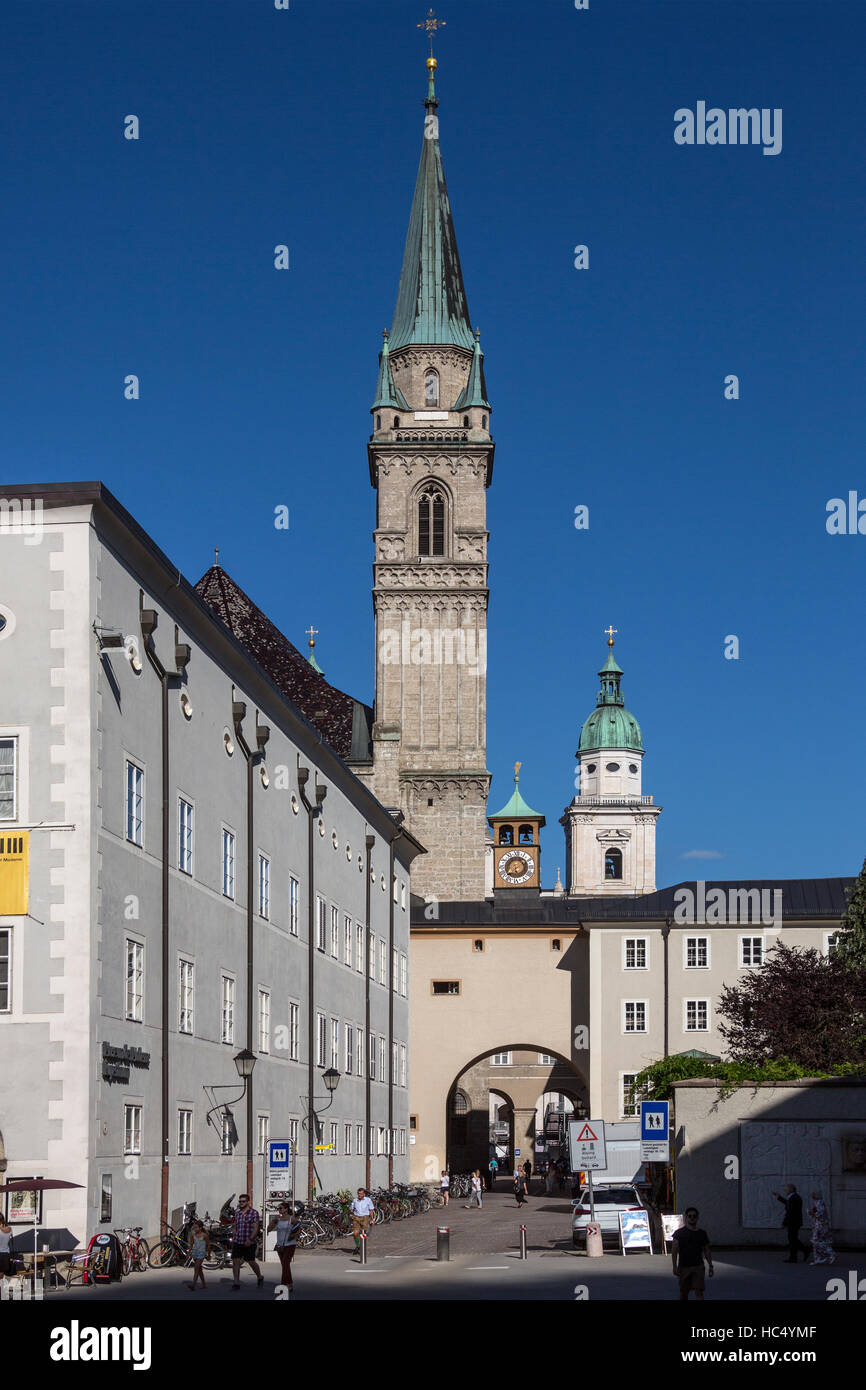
[516, 843]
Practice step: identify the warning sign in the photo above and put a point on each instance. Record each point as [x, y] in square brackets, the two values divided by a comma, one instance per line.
[14, 872]
[586, 1145]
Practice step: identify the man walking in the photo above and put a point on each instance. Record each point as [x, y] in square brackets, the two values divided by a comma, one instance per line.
[492, 1170]
[363, 1209]
[689, 1248]
[792, 1221]
[245, 1235]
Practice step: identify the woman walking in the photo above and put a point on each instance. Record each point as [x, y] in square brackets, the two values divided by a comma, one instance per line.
[445, 1187]
[520, 1186]
[5, 1247]
[475, 1194]
[822, 1236]
[286, 1243]
[200, 1248]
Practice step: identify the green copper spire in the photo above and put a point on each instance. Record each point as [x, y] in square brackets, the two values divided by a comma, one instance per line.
[475, 390]
[431, 301]
[516, 808]
[610, 725]
[312, 633]
[387, 394]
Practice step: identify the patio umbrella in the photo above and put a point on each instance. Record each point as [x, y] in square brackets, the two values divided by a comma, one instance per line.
[36, 1185]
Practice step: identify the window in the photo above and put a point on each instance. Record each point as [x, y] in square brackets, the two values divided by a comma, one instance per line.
[634, 1016]
[184, 1131]
[697, 952]
[403, 975]
[395, 969]
[335, 1043]
[635, 952]
[264, 1020]
[350, 1049]
[293, 1135]
[556, 944]
[184, 836]
[431, 388]
[501, 1059]
[372, 1141]
[402, 897]
[134, 803]
[5, 970]
[395, 1064]
[630, 1100]
[263, 1132]
[335, 932]
[751, 950]
[446, 986]
[105, 1197]
[431, 522]
[359, 1140]
[347, 1140]
[402, 1064]
[506, 835]
[383, 963]
[228, 864]
[546, 1060]
[359, 1050]
[134, 981]
[697, 1011]
[132, 1129]
[831, 942]
[402, 1143]
[382, 1141]
[359, 948]
[227, 1009]
[372, 1057]
[264, 887]
[347, 941]
[333, 1139]
[294, 904]
[478, 945]
[613, 863]
[321, 1039]
[321, 909]
[371, 956]
[294, 1013]
[186, 995]
[228, 1135]
[525, 835]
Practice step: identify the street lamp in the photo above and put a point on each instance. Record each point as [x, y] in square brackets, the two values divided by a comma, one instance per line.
[245, 1061]
[331, 1079]
[313, 1125]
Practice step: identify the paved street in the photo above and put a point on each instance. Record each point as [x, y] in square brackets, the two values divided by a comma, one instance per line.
[485, 1265]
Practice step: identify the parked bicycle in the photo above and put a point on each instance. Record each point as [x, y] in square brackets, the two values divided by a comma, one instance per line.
[134, 1249]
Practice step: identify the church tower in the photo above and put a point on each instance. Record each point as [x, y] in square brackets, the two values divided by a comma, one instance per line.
[431, 461]
[610, 826]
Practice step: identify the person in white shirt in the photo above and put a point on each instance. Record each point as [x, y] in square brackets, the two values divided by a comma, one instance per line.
[362, 1209]
[475, 1196]
[445, 1186]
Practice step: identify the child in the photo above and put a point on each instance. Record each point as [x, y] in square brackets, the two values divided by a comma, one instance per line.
[200, 1248]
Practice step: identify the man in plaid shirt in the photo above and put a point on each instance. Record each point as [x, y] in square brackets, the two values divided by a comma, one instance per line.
[245, 1234]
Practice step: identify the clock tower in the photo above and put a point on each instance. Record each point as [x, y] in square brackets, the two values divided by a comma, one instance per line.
[516, 843]
[431, 461]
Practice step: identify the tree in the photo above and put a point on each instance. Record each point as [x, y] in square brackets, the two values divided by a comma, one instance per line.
[852, 935]
[800, 1007]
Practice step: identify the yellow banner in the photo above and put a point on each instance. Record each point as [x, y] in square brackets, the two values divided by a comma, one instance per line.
[14, 872]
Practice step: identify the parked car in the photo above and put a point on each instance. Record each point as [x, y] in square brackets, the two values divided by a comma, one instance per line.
[609, 1202]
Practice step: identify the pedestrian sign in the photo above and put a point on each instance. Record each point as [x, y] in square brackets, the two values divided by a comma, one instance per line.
[654, 1123]
[279, 1154]
[587, 1145]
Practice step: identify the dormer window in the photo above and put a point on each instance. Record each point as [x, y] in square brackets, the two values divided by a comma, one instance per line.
[431, 522]
[431, 388]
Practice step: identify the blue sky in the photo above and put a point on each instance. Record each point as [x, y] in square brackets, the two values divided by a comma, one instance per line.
[707, 516]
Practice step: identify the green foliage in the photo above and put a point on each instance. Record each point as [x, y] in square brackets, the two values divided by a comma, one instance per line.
[852, 938]
[656, 1081]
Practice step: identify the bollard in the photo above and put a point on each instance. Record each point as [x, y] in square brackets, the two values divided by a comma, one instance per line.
[523, 1242]
[593, 1240]
[363, 1247]
[443, 1243]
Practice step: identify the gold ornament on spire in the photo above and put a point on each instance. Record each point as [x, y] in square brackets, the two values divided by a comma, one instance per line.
[517, 767]
[312, 633]
[431, 24]
[610, 634]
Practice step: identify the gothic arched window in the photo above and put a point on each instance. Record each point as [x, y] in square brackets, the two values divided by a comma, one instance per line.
[431, 388]
[431, 522]
[613, 863]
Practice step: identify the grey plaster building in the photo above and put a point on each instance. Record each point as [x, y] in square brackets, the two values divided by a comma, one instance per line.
[195, 871]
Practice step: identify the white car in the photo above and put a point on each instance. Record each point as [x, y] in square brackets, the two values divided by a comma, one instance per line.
[609, 1202]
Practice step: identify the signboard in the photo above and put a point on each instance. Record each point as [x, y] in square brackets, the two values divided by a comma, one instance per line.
[325, 1148]
[516, 1153]
[654, 1121]
[14, 873]
[586, 1145]
[116, 1061]
[25, 1205]
[279, 1156]
[634, 1231]
[671, 1223]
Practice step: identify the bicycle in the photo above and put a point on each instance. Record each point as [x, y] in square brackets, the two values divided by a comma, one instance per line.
[171, 1249]
[134, 1249]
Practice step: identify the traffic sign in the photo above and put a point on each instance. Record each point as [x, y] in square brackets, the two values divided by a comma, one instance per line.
[279, 1154]
[587, 1145]
[654, 1123]
[516, 1153]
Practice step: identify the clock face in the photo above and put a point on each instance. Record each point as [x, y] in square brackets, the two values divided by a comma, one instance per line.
[516, 866]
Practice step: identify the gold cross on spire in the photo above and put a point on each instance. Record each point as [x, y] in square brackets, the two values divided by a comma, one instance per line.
[431, 24]
[517, 767]
[610, 632]
[312, 633]
[216, 556]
